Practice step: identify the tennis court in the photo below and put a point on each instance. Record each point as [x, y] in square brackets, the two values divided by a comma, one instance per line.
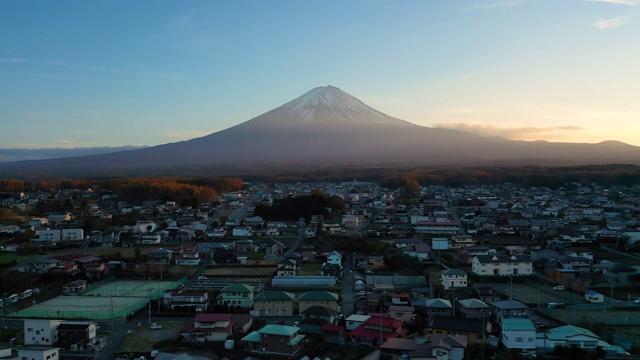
[103, 301]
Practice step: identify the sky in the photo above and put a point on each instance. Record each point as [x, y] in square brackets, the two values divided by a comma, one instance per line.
[113, 73]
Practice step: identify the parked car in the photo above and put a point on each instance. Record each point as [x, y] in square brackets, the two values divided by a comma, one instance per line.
[553, 305]
[636, 301]
[156, 326]
[558, 288]
[362, 293]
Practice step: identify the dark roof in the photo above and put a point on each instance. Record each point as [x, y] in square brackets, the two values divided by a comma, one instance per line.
[73, 327]
[318, 311]
[458, 324]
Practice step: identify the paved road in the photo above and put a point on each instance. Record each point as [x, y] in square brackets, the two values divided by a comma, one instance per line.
[454, 213]
[348, 294]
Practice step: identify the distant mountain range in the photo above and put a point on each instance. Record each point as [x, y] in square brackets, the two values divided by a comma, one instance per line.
[322, 128]
[10, 155]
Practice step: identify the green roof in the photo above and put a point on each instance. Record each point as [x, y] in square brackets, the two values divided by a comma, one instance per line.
[283, 330]
[237, 287]
[318, 296]
[564, 332]
[275, 295]
[254, 336]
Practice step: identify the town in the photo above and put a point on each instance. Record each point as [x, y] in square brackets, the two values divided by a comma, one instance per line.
[344, 270]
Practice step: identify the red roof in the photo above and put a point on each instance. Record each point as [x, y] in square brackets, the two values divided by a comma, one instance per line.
[385, 322]
[333, 328]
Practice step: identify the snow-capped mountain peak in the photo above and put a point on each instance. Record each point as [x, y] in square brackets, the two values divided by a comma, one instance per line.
[327, 105]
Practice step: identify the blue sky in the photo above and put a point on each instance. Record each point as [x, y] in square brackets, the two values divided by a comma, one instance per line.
[111, 73]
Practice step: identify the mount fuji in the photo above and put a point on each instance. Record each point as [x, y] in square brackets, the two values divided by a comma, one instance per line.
[324, 127]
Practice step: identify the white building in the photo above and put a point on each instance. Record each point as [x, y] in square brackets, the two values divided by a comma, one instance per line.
[242, 231]
[518, 334]
[41, 331]
[52, 235]
[72, 234]
[38, 353]
[453, 279]
[502, 265]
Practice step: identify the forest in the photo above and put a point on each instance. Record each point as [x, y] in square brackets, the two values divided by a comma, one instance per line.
[184, 191]
[293, 208]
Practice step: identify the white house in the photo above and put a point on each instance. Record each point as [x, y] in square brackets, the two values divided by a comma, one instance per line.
[453, 279]
[52, 235]
[353, 321]
[72, 234]
[334, 258]
[502, 265]
[38, 353]
[41, 332]
[440, 243]
[518, 333]
[242, 231]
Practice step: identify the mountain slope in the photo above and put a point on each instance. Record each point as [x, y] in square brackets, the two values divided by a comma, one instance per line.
[326, 126]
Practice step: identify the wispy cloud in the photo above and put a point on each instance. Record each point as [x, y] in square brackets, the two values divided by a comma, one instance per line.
[507, 132]
[494, 5]
[620, 2]
[612, 23]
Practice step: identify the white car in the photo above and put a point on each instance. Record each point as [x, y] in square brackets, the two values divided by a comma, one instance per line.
[156, 326]
[636, 301]
[558, 288]
[361, 293]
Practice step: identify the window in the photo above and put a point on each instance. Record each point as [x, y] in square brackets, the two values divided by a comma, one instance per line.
[519, 339]
[530, 339]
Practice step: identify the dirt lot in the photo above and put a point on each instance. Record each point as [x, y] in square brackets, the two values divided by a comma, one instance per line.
[143, 338]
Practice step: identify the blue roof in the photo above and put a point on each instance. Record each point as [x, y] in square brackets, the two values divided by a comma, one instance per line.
[591, 292]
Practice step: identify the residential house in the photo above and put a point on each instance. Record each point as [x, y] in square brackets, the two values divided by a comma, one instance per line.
[453, 279]
[396, 349]
[274, 340]
[485, 292]
[326, 299]
[616, 274]
[274, 303]
[377, 329]
[314, 317]
[569, 335]
[44, 265]
[518, 333]
[308, 253]
[272, 248]
[197, 301]
[474, 329]
[438, 307]
[236, 295]
[334, 334]
[209, 327]
[76, 335]
[246, 245]
[402, 313]
[449, 347]
[74, 287]
[578, 263]
[334, 258]
[188, 257]
[355, 320]
[419, 252]
[507, 309]
[502, 265]
[160, 256]
[286, 267]
[473, 308]
[242, 231]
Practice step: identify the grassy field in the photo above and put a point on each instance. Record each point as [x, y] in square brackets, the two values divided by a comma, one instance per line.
[6, 257]
[310, 269]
